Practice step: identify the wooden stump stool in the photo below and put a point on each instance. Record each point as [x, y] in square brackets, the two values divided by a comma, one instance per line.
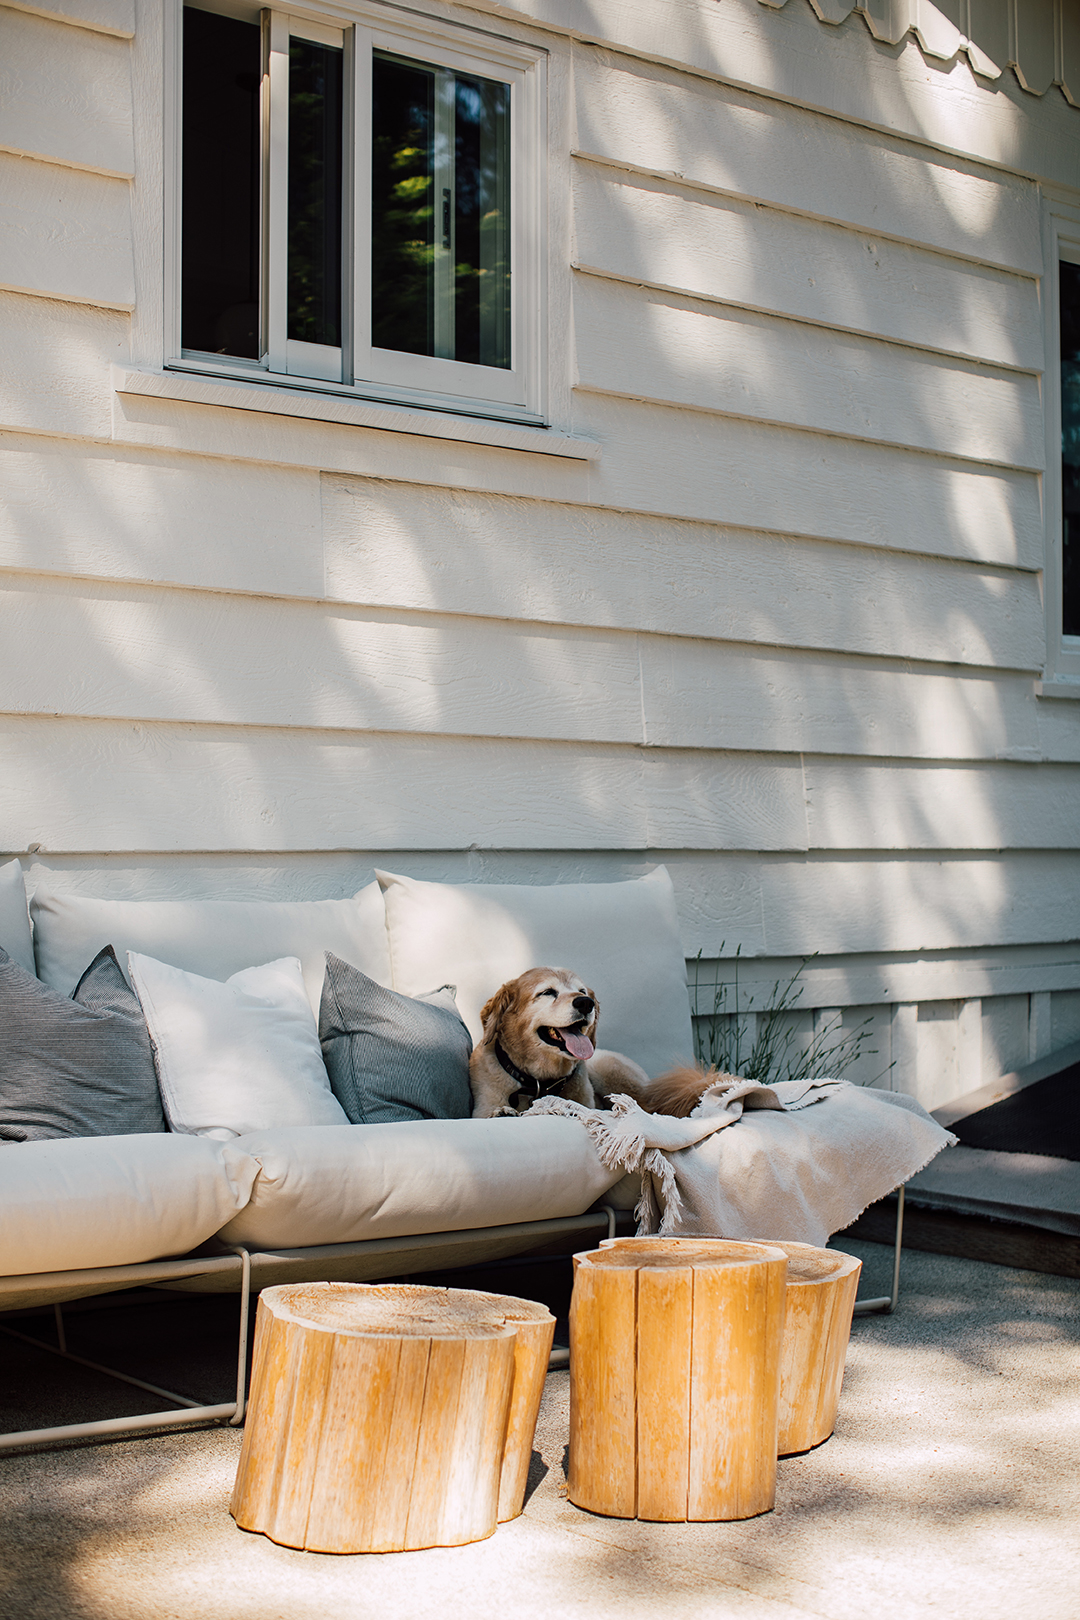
[674, 1378]
[388, 1417]
[821, 1288]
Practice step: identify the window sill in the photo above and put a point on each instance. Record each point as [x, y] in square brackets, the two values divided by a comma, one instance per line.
[1059, 688]
[194, 388]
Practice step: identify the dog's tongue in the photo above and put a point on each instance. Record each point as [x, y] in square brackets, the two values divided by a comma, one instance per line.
[579, 1046]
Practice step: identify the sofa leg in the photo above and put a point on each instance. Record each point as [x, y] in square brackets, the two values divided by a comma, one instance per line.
[887, 1303]
[192, 1411]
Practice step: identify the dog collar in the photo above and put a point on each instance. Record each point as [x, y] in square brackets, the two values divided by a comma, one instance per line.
[528, 1084]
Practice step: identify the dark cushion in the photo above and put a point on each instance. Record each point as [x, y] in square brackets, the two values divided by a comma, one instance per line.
[392, 1057]
[78, 1065]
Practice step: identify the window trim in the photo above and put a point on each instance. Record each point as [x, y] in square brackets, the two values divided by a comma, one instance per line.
[1062, 673]
[374, 24]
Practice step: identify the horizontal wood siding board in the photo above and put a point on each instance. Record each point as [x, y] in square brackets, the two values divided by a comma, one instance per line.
[656, 347]
[54, 362]
[694, 693]
[216, 658]
[676, 463]
[103, 16]
[1059, 728]
[82, 509]
[65, 95]
[790, 57]
[775, 905]
[125, 787]
[65, 234]
[766, 151]
[896, 805]
[576, 565]
[658, 233]
[862, 980]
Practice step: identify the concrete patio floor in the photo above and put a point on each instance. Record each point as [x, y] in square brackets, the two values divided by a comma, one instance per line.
[950, 1488]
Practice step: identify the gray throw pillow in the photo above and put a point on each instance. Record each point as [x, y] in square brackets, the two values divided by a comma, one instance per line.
[78, 1065]
[392, 1057]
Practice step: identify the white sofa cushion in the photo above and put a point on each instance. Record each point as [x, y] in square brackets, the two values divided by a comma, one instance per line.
[623, 938]
[115, 1200]
[211, 937]
[350, 1183]
[15, 936]
[237, 1056]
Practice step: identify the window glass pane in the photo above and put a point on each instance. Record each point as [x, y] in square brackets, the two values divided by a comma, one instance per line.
[440, 256]
[220, 261]
[1070, 448]
[402, 206]
[315, 192]
[482, 222]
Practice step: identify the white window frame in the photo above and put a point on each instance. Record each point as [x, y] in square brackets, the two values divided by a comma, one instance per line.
[1062, 674]
[518, 394]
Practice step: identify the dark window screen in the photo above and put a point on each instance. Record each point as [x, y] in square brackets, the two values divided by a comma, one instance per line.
[315, 175]
[220, 261]
[1070, 448]
[403, 209]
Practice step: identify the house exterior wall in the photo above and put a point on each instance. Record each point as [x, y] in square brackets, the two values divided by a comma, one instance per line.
[772, 613]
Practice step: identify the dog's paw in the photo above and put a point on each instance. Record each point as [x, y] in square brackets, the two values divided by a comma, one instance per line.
[506, 1112]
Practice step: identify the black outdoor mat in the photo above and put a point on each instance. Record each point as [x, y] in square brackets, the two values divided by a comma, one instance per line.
[1043, 1118]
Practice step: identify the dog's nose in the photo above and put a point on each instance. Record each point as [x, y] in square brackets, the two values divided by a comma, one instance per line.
[584, 1005]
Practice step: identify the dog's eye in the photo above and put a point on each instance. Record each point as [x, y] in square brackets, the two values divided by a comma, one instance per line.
[553, 993]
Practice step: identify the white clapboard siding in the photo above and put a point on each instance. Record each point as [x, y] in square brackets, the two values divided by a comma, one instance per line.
[183, 655]
[789, 56]
[862, 979]
[442, 550]
[677, 463]
[776, 905]
[655, 346]
[54, 365]
[694, 692]
[74, 508]
[692, 464]
[754, 147]
[852, 804]
[65, 94]
[103, 16]
[65, 233]
[696, 242]
[1059, 728]
[107, 785]
[218, 658]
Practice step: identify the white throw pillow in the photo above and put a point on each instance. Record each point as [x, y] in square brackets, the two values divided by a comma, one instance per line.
[15, 936]
[215, 937]
[115, 1200]
[623, 938]
[235, 1057]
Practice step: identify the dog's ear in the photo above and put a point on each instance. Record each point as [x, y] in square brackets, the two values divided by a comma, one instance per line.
[495, 1010]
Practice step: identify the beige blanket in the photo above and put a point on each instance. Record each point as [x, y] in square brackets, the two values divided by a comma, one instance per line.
[797, 1160]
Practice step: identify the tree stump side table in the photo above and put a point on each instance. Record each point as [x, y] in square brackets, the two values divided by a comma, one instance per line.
[385, 1418]
[675, 1378]
[821, 1289]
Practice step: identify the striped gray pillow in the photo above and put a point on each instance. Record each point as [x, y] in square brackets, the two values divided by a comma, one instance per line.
[78, 1065]
[392, 1057]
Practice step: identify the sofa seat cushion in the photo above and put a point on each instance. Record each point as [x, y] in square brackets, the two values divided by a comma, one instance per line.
[77, 1202]
[344, 1184]
[623, 938]
[213, 937]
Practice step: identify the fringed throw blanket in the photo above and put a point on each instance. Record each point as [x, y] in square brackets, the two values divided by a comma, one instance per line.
[805, 1158]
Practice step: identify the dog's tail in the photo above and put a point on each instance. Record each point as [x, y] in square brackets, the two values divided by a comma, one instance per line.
[680, 1090]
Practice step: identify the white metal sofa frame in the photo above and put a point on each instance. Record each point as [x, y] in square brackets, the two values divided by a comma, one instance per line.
[240, 1270]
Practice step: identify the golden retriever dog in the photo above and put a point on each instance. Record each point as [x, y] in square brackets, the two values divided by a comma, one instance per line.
[539, 1038]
